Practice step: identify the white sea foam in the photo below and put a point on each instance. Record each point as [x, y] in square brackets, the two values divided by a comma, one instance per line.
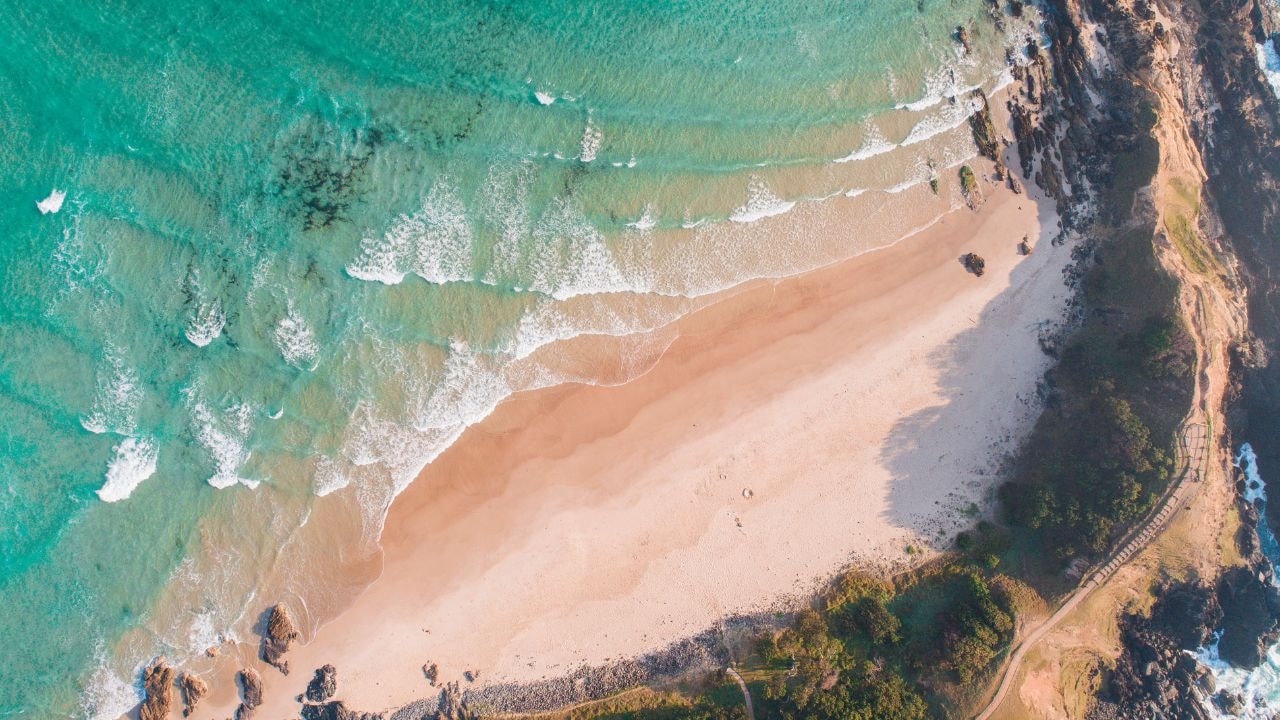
[645, 221]
[434, 243]
[854, 192]
[134, 461]
[591, 139]
[544, 98]
[106, 695]
[206, 323]
[1269, 63]
[223, 435]
[761, 203]
[329, 477]
[53, 203]
[942, 83]
[873, 144]
[569, 257]
[295, 340]
[949, 119]
[203, 632]
[903, 186]
[116, 402]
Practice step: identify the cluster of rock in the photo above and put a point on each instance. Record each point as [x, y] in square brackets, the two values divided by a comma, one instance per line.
[193, 690]
[701, 654]
[1157, 676]
[974, 263]
[1154, 677]
[157, 689]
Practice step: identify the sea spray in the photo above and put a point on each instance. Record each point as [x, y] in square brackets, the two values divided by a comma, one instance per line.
[1259, 688]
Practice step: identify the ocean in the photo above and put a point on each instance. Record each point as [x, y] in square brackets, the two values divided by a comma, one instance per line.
[303, 246]
[1259, 688]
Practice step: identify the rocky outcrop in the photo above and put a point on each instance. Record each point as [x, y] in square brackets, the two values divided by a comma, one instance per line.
[984, 131]
[974, 263]
[193, 689]
[279, 635]
[157, 689]
[338, 710]
[250, 693]
[323, 685]
[1251, 614]
[1153, 676]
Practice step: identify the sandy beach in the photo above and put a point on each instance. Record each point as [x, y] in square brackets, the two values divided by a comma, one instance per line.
[848, 415]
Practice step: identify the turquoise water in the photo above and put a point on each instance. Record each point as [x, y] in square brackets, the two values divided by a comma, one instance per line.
[302, 247]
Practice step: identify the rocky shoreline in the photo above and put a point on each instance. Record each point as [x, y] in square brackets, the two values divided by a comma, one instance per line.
[1233, 118]
[1157, 674]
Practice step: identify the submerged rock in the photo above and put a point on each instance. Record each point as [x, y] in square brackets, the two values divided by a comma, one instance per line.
[157, 688]
[323, 685]
[280, 634]
[193, 689]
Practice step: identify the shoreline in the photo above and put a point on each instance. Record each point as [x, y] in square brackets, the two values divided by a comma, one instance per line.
[620, 459]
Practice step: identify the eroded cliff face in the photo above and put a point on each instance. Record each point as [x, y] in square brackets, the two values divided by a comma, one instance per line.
[1218, 129]
[1238, 131]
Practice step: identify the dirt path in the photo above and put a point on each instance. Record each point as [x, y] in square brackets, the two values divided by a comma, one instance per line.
[746, 694]
[1191, 456]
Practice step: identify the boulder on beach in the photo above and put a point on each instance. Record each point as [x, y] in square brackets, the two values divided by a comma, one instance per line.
[157, 688]
[250, 693]
[193, 689]
[280, 634]
[323, 685]
[432, 672]
[974, 263]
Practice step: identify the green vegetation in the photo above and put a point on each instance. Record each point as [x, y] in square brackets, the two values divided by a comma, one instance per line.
[1102, 451]
[968, 181]
[880, 651]
[1181, 210]
[927, 644]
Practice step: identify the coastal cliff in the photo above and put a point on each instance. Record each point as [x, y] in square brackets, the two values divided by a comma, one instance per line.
[1217, 123]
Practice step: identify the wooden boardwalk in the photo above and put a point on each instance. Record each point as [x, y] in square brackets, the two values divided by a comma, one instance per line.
[1192, 446]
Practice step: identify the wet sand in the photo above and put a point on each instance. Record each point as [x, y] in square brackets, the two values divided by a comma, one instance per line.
[788, 429]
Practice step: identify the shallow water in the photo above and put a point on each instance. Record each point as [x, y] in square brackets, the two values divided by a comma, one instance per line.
[302, 248]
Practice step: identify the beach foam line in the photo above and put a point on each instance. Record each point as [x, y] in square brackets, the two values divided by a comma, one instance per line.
[761, 203]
